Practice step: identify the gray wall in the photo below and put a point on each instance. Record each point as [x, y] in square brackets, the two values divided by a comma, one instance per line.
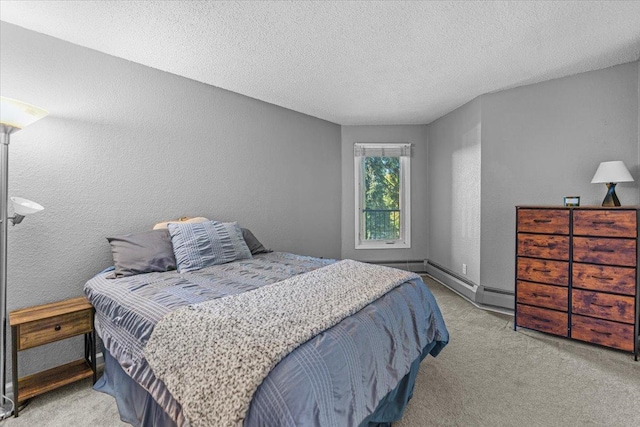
[544, 141]
[415, 134]
[454, 190]
[126, 146]
[533, 144]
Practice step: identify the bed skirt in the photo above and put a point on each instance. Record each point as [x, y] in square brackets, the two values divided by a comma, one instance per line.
[138, 408]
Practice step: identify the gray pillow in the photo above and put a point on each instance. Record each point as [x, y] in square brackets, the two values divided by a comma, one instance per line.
[144, 252]
[254, 245]
[196, 246]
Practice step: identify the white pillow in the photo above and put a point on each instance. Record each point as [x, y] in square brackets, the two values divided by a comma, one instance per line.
[184, 219]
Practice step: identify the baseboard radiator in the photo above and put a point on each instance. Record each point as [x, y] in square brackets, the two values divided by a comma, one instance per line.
[416, 266]
[481, 296]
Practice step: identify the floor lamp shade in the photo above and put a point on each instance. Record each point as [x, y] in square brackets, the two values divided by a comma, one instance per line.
[17, 114]
[611, 173]
[25, 207]
[14, 116]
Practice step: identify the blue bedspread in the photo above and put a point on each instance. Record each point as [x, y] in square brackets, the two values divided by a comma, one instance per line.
[336, 378]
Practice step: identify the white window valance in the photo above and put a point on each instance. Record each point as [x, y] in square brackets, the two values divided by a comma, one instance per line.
[361, 149]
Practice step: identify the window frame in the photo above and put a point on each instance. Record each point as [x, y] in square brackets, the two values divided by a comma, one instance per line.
[404, 242]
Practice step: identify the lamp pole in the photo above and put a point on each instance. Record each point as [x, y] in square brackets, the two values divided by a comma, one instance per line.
[5, 132]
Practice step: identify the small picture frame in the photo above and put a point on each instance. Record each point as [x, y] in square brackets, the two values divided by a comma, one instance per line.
[572, 201]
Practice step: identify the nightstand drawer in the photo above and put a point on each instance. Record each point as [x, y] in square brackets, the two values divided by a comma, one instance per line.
[543, 246]
[44, 331]
[607, 223]
[600, 250]
[603, 332]
[603, 306]
[550, 221]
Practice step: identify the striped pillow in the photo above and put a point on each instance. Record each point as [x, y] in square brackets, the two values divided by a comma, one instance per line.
[207, 243]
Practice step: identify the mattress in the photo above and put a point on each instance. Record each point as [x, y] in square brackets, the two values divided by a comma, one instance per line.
[336, 378]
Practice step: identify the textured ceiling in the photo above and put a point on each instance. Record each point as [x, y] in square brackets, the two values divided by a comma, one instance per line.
[350, 62]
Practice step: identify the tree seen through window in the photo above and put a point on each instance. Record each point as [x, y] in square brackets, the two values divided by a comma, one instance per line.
[381, 198]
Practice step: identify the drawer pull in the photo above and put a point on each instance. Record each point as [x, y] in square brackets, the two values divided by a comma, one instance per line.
[57, 328]
[538, 245]
[542, 270]
[535, 295]
[602, 278]
[539, 319]
[601, 305]
[596, 249]
[603, 222]
[541, 220]
[601, 333]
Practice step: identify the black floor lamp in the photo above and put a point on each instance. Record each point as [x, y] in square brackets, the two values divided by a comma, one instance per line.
[14, 115]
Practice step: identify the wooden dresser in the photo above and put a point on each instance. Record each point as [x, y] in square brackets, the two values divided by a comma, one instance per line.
[576, 273]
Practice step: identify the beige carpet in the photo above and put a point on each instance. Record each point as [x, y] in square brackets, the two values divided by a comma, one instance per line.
[488, 375]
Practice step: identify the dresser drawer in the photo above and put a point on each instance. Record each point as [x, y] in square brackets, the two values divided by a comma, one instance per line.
[618, 280]
[603, 332]
[550, 221]
[603, 306]
[543, 271]
[600, 250]
[52, 329]
[546, 296]
[541, 319]
[608, 223]
[543, 246]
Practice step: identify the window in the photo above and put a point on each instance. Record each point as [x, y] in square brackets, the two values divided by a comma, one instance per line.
[382, 190]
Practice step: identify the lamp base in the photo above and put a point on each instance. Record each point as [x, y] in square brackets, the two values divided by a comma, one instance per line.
[611, 199]
[6, 410]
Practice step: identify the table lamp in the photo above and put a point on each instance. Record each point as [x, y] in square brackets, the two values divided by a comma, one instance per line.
[611, 173]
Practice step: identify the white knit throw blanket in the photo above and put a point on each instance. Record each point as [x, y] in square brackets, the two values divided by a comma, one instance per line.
[213, 356]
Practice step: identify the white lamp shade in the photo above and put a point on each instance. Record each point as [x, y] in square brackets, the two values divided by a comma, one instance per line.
[25, 207]
[19, 114]
[612, 172]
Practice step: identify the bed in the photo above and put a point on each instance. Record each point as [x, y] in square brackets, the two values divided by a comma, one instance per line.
[360, 371]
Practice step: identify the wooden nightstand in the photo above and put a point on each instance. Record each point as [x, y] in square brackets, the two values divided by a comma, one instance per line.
[44, 324]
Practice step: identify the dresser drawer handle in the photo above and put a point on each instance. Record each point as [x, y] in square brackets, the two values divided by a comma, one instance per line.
[603, 222]
[540, 319]
[601, 305]
[538, 245]
[602, 278]
[601, 333]
[596, 249]
[535, 295]
[58, 327]
[542, 270]
[541, 220]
